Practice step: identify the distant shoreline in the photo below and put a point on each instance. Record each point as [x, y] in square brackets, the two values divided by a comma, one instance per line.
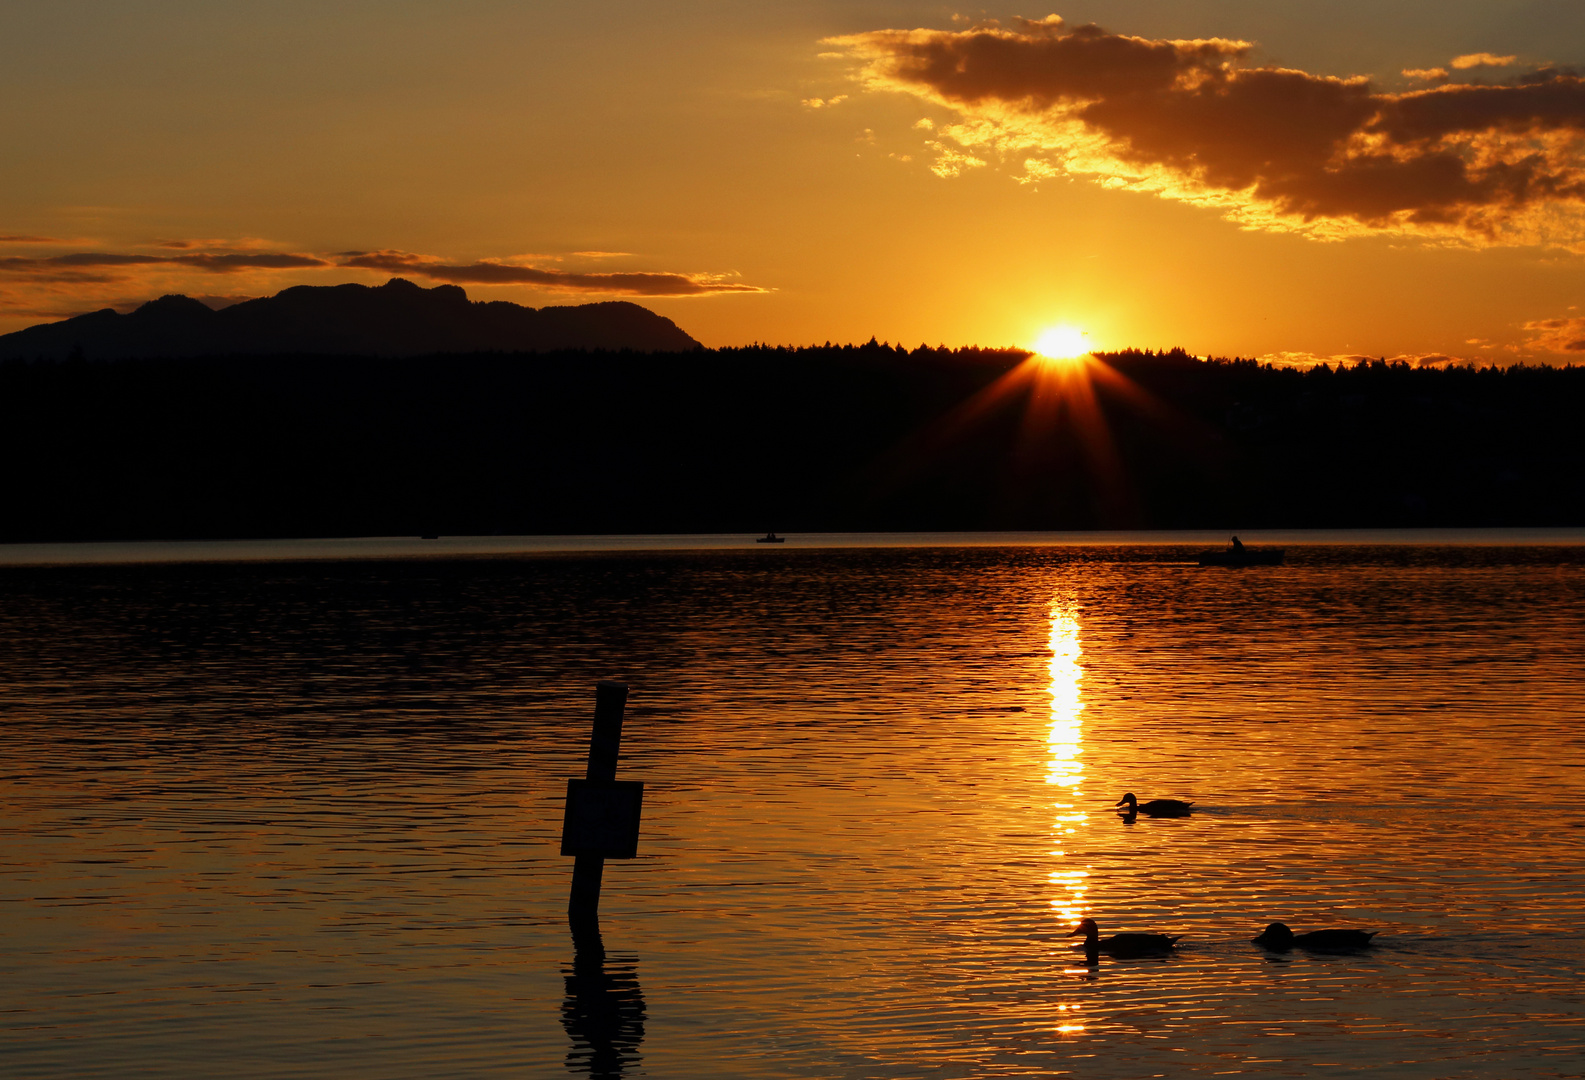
[867, 440]
[90, 553]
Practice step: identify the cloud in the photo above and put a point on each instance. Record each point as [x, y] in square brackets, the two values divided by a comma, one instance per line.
[219, 244]
[950, 162]
[68, 267]
[38, 314]
[106, 266]
[1271, 148]
[1566, 336]
[230, 263]
[1481, 59]
[13, 239]
[499, 273]
[36, 287]
[1426, 74]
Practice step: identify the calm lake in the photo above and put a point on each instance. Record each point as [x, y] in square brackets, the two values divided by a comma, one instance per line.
[299, 817]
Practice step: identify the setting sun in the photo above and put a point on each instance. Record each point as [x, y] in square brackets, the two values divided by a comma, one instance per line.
[1062, 343]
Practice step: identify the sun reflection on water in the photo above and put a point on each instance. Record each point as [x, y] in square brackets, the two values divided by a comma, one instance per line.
[1063, 769]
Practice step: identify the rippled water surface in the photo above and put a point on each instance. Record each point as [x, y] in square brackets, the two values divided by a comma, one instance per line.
[301, 819]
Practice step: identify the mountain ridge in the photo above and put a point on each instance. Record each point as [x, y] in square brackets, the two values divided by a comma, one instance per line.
[396, 319]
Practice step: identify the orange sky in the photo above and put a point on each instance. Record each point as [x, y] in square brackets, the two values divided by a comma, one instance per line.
[1304, 179]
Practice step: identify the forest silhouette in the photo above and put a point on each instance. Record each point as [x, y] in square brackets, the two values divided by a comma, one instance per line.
[826, 438]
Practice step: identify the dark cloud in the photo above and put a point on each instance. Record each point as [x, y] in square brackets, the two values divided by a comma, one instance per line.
[217, 244]
[63, 267]
[56, 286]
[50, 275]
[72, 267]
[5, 239]
[1272, 147]
[230, 263]
[494, 273]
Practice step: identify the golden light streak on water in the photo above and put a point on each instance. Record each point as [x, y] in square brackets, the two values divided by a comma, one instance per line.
[1064, 770]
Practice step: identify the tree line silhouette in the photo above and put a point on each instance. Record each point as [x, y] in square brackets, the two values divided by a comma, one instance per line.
[821, 438]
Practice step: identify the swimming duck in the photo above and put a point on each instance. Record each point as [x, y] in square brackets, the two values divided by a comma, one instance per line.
[1278, 936]
[1122, 944]
[1155, 807]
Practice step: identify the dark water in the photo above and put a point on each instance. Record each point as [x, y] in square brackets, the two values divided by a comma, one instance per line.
[301, 818]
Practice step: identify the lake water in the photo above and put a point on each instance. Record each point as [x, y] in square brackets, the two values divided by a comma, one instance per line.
[301, 818]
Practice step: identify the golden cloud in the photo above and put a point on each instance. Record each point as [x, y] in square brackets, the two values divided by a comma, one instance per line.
[1271, 148]
[1565, 336]
[1481, 59]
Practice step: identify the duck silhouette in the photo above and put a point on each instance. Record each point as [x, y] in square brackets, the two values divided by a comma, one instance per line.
[1122, 944]
[1278, 937]
[1155, 807]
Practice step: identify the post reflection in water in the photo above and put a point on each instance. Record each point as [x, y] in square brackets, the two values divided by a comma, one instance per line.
[604, 1008]
[1064, 770]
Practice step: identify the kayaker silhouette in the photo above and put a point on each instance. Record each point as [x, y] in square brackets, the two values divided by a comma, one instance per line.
[1238, 546]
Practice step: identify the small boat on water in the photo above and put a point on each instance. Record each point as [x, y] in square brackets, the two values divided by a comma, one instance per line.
[771, 538]
[1236, 556]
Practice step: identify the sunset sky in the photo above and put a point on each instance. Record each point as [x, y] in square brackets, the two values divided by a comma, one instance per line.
[1295, 179]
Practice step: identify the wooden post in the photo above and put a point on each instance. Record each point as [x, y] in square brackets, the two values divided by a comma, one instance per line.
[605, 741]
[591, 808]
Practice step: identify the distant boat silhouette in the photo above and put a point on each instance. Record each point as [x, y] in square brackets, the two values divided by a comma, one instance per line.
[1236, 555]
[771, 538]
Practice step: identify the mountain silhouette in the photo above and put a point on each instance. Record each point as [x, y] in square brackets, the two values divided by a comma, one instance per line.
[398, 318]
